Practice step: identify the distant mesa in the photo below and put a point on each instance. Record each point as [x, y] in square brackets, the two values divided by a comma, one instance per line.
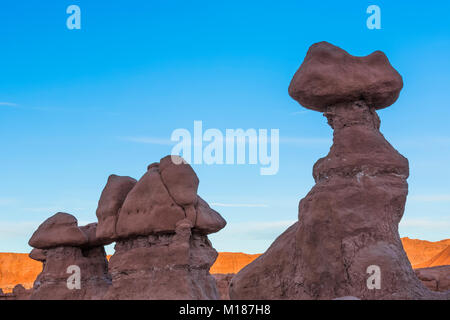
[423, 254]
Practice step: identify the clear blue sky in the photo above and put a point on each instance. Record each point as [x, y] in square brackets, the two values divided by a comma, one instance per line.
[78, 105]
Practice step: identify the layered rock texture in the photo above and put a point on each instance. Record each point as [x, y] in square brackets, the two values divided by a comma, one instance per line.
[435, 278]
[160, 226]
[65, 249]
[348, 222]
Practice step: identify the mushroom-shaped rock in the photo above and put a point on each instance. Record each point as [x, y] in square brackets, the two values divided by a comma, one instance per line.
[330, 75]
[70, 246]
[162, 249]
[348, 222]
[111, 200]
[59, 230]
[208, 220]
[38, 255]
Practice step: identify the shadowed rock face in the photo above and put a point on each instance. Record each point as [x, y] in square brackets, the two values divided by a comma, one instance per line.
[164, 266]
[148, 208]
[223, 281]
[162, 248]
[435, 278]
[111, 200]
[59, 254]
[349, 220]
[51, 283]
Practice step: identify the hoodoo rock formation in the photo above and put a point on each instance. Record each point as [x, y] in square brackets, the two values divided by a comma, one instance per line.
[349, 220]
[160, 226]
[60, 244]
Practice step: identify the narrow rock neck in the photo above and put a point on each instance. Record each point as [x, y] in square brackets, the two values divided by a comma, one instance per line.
[346, 115]
[358, 145]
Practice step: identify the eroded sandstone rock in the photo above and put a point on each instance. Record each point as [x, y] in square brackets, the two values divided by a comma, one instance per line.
[164, 266]
[20, 293]
[148, 208]
[111, 201]
[330, 75]
[61, 258]
[162, 250]
[348, 222]
[223, 281]
[59, 230]
[38, 255]
[435, 278]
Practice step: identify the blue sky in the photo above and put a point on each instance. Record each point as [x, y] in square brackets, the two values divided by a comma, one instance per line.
[78, 105]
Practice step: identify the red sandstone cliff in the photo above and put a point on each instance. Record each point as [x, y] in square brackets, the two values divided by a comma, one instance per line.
[232, 262]
[423, 254]
[17, 268]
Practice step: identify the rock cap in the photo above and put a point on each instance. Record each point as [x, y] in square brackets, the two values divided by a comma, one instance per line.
[59, 230]
[329, 75]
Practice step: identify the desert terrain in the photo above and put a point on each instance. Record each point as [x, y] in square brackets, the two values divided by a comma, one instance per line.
[18, 268]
